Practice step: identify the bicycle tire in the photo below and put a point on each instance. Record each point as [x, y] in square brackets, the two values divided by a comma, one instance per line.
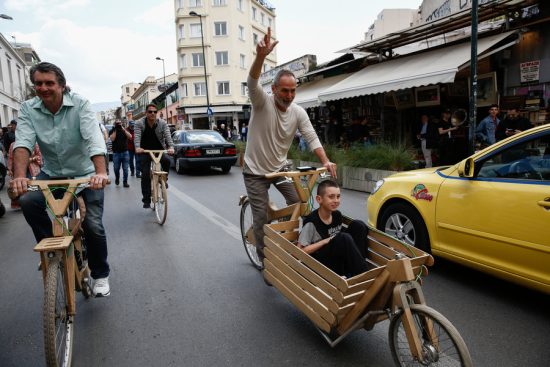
[449, 349]
[246, 223]
[161, 202]
[58, 325]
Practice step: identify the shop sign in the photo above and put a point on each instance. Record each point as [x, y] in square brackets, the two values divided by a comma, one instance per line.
[529, 71]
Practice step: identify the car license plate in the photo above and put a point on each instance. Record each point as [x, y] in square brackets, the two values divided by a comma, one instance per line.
[212, 151]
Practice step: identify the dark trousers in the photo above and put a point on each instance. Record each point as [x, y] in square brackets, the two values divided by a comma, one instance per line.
[145, 161]
[33, 205]
[131, 155]
[345, 254]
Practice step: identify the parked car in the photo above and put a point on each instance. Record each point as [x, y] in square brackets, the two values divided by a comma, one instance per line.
[202, 148]
[109, 142]
[490, 211]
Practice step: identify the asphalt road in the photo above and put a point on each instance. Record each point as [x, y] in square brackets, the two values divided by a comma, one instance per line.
[184, 294]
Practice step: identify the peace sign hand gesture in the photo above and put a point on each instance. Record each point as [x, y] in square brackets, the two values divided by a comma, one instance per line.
[265, 46]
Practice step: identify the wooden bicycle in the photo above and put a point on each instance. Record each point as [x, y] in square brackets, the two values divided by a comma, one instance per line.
[418, 335]
[64, 265]
[159, 196]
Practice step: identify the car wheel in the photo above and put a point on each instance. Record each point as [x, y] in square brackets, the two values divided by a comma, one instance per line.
[226, 169]
[404, 223]
[179, 167]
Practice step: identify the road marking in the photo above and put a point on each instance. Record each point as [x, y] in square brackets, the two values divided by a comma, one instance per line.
[212, 216]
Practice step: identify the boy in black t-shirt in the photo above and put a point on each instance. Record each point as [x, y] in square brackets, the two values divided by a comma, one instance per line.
[343, 252]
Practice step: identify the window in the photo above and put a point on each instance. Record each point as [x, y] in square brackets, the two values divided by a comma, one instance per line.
[270, 22]
[127, 90]
[200, 89]
[262, 17]
[240, 5]
[183, 61]
[220, 28]
[198, 59]
[527, 160]
[195, 30]
[241, 32]
[195, 3]
[219, 2]
[265, 68]
[180, 4]
[255, 36]
[181, 29]
[244, 89]
[183, 88]
[222, 58]
[242, 61]
[254, 13]
[223, 88]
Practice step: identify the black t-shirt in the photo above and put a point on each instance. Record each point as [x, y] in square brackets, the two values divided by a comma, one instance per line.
[315, 230]
[120, 145]
[149, 138]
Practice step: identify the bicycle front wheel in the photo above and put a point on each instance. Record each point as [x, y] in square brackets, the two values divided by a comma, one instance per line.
[247, 234]
[161, 202]
[442, 344]
[58, 325]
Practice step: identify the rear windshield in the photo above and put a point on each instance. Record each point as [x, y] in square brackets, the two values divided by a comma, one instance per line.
[204, 137]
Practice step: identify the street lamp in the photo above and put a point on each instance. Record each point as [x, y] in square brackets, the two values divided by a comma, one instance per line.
[208, 110]
[165, 89]
[4, 16]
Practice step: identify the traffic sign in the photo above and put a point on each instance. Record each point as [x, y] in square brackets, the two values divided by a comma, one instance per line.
[209, 111]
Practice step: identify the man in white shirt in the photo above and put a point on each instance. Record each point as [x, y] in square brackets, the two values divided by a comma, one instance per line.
[273, 123]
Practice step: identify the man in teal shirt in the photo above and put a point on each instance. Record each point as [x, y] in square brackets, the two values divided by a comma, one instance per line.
[64, 126]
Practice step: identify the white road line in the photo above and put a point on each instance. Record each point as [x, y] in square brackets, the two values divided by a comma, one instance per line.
[212, 216]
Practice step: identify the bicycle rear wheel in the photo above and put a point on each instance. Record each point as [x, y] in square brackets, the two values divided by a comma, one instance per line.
[58, 325]
[445, 346]
[248, 232]
[161, 202]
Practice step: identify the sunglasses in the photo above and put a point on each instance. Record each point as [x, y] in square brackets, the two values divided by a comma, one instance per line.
[151, 111]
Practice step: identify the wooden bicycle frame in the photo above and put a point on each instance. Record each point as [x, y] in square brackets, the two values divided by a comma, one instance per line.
[61, 242]
[156, 173]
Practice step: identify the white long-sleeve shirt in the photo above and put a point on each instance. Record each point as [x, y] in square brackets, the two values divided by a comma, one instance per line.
[270, 131]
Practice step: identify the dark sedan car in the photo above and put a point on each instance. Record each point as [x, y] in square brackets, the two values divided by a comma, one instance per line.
[202, 148]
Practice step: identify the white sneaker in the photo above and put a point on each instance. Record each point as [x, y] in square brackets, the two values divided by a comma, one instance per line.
[101, 287]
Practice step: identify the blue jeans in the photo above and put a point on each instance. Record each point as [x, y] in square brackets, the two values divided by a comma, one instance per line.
[33, 205]
[118, 159]
[131, 155]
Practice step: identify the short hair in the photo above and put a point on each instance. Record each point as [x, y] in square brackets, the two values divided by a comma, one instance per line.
[151, 105]
[280, 74]
[516, 108]
[48, 67]
[323, 185]
[493, 106]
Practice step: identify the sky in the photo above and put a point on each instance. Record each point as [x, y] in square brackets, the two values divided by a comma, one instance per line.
[101, 45]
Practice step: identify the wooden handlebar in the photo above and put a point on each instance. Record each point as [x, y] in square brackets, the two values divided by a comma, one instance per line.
[296, 173]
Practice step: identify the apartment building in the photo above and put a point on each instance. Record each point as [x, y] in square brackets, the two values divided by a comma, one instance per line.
[145, 93]
[228, 31]
[391, 20]
[126, 92]
[13, 89]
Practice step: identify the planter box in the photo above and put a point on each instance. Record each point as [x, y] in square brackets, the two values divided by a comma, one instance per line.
[362, 179]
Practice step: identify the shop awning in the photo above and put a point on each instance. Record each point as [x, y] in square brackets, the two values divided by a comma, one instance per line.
[307, 94]
[215, 109]
[425, 68]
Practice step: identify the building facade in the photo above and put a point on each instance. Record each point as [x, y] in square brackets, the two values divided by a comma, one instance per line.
[391, 20]
[13, 90]
[126, 92]
[229, 31]
[146, 93]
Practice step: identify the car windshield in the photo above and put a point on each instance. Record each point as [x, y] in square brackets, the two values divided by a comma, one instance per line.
[204, 137]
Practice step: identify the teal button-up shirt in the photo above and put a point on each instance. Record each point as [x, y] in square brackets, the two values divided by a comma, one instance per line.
[67, 139]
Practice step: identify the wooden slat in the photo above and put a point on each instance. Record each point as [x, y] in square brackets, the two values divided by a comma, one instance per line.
[305, 271]
[315, 318]
[282, 226]
[53, 243]
[305, 297]
[380, 260]
[291, 236]
[359, 287]
[283, 212]
[309, 261]
[371, 274]
[381, 249]
[399, 246]
[297, 278]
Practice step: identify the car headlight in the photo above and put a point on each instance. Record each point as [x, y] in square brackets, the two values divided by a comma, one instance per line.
[377, 186]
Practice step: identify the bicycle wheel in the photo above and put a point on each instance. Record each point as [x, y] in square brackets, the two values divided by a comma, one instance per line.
[161, 202]
[58, 325]
[446, 348]
[246, 232]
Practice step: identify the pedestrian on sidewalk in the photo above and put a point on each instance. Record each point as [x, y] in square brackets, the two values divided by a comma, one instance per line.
[119, 135]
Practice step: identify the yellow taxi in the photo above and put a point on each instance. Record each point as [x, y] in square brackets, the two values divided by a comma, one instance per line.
[490, 211]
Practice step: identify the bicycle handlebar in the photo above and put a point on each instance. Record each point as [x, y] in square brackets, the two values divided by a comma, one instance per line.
[296, 173]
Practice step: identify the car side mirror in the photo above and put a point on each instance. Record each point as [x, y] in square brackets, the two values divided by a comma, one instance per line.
[466, 168]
